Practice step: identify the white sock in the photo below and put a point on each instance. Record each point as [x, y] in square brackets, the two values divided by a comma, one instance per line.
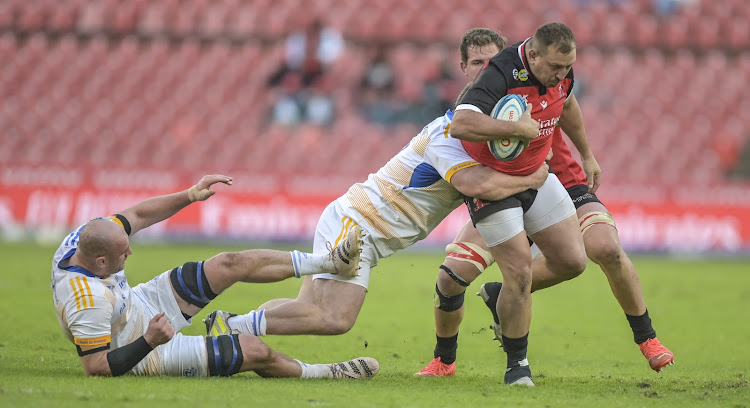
[252, 323]
[315, 370]
[309, 264]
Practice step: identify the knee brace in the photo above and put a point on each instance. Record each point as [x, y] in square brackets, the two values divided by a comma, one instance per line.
[190, 283]
[224, 355]
[448, 303]
[588, 220]
[471, 253]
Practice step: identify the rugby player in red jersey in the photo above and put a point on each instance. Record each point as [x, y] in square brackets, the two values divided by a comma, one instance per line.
[468, 256]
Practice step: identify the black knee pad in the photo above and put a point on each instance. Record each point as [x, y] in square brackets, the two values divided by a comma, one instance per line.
[224, 355]
[455, 277]
[448, 303]
[190, 283]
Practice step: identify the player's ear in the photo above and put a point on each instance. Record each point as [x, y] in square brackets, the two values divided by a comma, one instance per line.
[533, 54]
[100, 261]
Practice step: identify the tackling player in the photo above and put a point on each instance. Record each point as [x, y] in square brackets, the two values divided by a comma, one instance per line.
[397, 206]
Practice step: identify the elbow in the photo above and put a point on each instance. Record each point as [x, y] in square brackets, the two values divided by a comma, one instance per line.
[98, 373]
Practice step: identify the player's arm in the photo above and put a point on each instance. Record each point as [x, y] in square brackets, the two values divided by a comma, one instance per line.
[471, 121]
[101, 361]
[571, 122]
[488, 184]
[157, 209]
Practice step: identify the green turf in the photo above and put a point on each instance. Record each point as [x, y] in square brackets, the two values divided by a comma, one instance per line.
[581, 348]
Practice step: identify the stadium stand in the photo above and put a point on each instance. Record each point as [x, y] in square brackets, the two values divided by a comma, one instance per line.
[181, 85]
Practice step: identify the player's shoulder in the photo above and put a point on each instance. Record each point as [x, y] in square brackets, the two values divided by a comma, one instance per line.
[508, 58]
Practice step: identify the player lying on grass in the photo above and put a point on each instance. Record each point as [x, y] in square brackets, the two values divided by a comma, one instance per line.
[118, 329]
[468, 256]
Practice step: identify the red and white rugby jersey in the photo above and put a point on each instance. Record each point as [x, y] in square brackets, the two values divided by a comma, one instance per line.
[508, 73]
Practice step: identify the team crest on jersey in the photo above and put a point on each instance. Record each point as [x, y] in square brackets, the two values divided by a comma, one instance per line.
[544, 104]
[523, 75]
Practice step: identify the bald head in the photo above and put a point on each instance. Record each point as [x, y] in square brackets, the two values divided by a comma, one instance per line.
[101, 237]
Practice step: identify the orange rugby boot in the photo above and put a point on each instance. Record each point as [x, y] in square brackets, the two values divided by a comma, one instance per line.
[658, 356]
[437, 368]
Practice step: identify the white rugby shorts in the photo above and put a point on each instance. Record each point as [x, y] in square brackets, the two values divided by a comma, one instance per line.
[183, 355]
[551, 205]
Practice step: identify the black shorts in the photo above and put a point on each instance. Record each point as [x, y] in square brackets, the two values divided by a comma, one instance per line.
[480, 209]
[580, 195]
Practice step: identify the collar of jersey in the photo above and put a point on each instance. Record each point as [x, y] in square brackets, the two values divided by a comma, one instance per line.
[75, 268]
[522, 55]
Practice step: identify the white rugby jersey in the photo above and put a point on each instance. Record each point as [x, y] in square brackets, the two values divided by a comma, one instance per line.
[409, 196]
[94, 311]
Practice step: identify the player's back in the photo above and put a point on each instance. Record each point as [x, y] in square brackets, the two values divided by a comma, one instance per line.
[409, 196]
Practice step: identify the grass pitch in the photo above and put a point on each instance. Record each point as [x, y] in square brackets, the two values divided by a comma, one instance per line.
[581, 348]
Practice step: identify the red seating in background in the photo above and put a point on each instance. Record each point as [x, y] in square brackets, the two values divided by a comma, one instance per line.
[177, 84]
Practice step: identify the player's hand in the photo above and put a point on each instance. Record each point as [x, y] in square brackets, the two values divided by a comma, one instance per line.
[159, 330]
[593, 173]
[202, 191]
[528, 128]
[539, 177]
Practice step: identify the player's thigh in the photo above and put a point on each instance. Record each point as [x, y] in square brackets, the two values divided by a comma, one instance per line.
[513, 257]
[182, 356]
[562, 244]
[341, 301]
[159, 295]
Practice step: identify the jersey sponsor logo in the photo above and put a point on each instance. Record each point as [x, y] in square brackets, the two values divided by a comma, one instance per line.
[190, 372]
[99, 341]
[561, 90]
[544, 104]
[523, 75]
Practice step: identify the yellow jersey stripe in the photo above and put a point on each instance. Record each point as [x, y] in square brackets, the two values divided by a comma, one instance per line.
[392, 195]
[83, 294]
[99, 341]
[88, 291]
[453, 170]
[75, 292]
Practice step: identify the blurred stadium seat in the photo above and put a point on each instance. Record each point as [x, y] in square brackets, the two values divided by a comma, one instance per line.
[149, 83]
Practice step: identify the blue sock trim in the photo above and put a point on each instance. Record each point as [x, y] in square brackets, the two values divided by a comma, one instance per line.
[199, 277]
[235, 346]
[296, 260]
[217, 357]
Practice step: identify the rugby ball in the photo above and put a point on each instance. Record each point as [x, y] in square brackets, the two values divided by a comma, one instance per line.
[510, 107]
